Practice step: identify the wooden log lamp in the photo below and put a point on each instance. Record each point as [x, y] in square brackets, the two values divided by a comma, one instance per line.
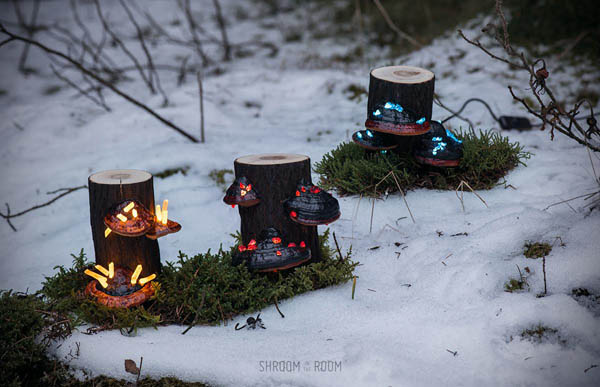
[125, 227]
[280, 210]
[399, 106]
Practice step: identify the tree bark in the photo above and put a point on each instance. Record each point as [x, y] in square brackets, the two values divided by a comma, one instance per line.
[411, 87]
[275, 177]
[106, 189]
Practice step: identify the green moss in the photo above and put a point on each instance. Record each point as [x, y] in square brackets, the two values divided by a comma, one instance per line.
[22, 357]
[539, 333]
[356, 92]
[203, 289]
[27, 327]
[536, 249]
[350, 169]
[172, 171]
[218, 176]
[514, 285]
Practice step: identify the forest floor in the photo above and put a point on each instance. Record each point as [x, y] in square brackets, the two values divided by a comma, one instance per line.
[430, 306]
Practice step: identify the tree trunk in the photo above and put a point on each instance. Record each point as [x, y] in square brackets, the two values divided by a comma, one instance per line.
[411, 87]
[106, 189]
[275, 177]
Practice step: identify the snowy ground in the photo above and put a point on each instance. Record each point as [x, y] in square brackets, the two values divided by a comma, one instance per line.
[391, 333]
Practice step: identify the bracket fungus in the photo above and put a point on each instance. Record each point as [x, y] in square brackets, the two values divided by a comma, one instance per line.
[129, 218]
[119, 287]
[375, 141]
[271, 253]
[163, 225]
[242, 193]
[439, 147]
[394, 119]
[311, 206]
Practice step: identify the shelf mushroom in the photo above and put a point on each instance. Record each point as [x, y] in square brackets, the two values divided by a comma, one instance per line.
[311, 206]
[394, 119]
[375, 141]
[242, 193]
[271, 254]
[119, 287]
[129, 218]
[439, 147]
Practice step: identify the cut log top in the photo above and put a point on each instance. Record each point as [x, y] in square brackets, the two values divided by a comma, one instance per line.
[120, 176]
[271, 159]
[403, 74]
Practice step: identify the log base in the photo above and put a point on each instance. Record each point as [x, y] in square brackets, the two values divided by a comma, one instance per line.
[128, 301]
[398, 129]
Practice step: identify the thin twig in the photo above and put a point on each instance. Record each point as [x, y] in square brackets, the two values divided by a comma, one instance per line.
[85, 93]
[277, 307]
[9, 216]
[197, 314]
[152, 73]
[372, 211]
[104, 82]
[123, 47]
[201, 98]
[544, 270]
[30, 28]
[223, 29]
[391, 24]
[337, 247]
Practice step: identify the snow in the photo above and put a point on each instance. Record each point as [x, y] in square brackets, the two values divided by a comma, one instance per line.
[391, 333]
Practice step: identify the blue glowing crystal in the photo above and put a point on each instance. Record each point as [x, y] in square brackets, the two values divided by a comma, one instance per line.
[394, 106]
[421, 120]
[359, 135]
[383, 152]
[436, 139]
[369, 133]
[377, 113]
[452, 136]
[439, 147]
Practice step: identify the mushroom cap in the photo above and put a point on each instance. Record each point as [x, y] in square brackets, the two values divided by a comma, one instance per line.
[392, 118]
[160, 230]
[241, 192]
[132, 227]
[311, 206]
[372, 140]
[271, 253]
[439, 147]
[120, 293]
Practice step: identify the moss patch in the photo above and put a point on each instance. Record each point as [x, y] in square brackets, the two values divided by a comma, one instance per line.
[536, 249]
[514, 285]
[541, 333]
[203, 289]
[27, 326]
[350, 169]
[218, 176]
[172, 171]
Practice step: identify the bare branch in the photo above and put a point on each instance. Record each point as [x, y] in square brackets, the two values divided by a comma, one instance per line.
[551, 112]
[8, 216]
[397, 30]
[97, 78]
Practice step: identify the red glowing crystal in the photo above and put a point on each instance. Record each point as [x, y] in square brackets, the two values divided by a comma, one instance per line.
[302, 244]
[241, 248]
[276, 240]
[293, 214]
